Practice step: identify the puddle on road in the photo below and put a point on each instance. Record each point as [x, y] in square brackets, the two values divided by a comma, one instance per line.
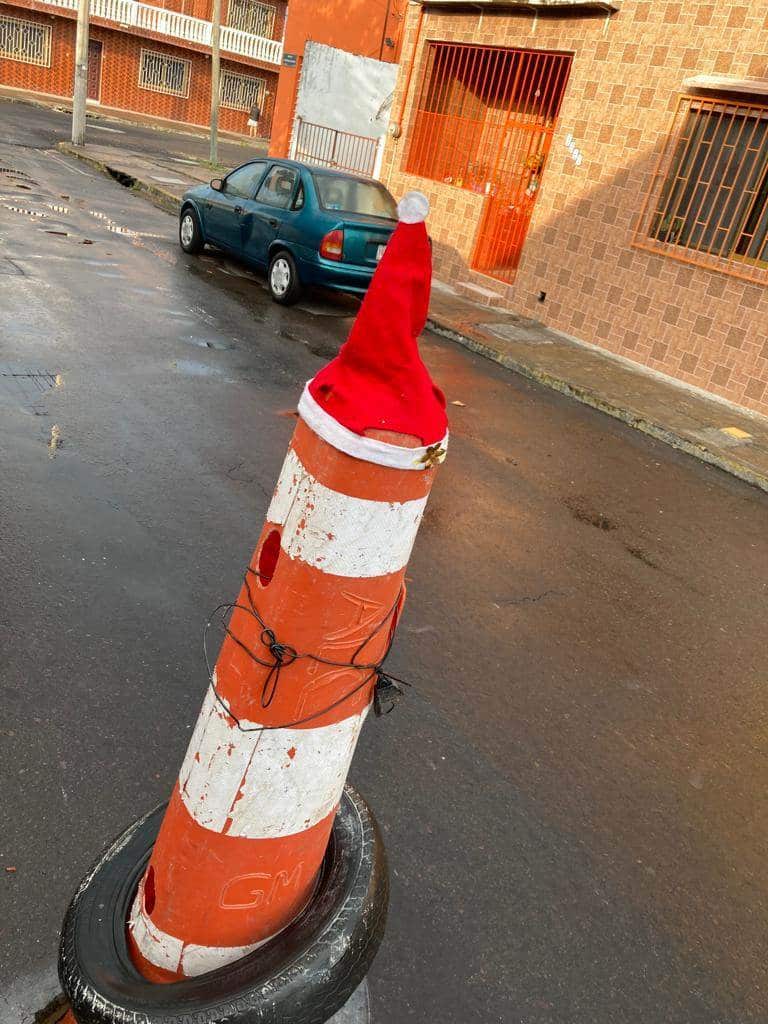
[195, 369]
[204, 316]
[233, 271]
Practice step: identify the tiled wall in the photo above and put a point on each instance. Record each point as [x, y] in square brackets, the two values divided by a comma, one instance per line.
[701, 326]
[120, 75]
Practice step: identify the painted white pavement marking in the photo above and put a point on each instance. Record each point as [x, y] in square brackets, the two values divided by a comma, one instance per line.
[343, 536]
[52, 156]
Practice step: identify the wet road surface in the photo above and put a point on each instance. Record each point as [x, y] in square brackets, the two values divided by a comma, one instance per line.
[24, 124]
[573, 795]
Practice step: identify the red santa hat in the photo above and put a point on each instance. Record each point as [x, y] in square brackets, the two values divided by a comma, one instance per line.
[378, 381]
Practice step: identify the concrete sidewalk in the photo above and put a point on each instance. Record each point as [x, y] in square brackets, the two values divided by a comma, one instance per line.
[688, 419]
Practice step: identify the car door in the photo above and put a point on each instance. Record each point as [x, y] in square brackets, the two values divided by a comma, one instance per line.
[266, 212]
[224, 210]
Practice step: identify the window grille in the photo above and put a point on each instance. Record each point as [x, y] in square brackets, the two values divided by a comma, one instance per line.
[708, 201]
[160, 72]
[26, 41]
[251, 16]
[470, 99]
[241, 92]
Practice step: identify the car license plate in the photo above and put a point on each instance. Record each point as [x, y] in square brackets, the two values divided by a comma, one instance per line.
[380, 252]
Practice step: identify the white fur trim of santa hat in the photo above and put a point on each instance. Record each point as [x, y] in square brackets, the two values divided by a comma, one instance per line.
[369, 449]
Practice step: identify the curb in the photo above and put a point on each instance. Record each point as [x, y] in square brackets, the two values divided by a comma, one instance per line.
[171, 204]
[63, 104]
[591, 398]
[157, 196]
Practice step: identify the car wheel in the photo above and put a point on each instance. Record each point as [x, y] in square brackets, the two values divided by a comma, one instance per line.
[283, 279]
[190, 235]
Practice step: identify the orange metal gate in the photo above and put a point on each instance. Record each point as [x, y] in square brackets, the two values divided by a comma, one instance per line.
[484, 120]
[524, 144]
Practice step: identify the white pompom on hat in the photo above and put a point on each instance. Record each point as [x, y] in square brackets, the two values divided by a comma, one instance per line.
[413, 208]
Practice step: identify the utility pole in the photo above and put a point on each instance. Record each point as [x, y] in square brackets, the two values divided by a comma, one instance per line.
[81, 75]
[215, 79]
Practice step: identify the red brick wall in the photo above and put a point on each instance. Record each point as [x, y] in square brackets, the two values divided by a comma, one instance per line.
[58, 79]
[120, 76]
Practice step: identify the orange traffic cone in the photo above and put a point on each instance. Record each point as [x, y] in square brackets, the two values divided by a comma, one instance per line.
[248, 823]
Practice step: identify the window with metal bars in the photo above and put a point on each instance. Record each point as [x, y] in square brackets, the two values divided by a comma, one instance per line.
[26, 41]
[159, 72]
[471, 97]
[241, 92]
[251, 16]
[708, 203]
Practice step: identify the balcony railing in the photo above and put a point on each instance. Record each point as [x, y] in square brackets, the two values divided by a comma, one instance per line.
[132, 14]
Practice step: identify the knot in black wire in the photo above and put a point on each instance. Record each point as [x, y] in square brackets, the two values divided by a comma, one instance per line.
[387, 689]
[283, 654]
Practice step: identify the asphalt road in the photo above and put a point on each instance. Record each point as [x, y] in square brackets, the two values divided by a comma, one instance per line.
[27, 125]
[573, 795]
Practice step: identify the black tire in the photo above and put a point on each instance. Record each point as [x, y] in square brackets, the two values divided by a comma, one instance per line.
[283, 279]
[303, 976]
[191, 240]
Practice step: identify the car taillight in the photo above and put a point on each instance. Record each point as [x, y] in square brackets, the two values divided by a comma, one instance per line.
[332, 245]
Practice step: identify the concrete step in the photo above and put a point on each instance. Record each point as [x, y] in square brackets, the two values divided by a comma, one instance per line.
[479, 293]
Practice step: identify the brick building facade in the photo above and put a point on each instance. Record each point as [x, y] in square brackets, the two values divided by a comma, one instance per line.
[145, 61]
[601, 166]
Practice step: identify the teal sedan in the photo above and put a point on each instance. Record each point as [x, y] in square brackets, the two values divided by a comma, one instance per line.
[305, 225]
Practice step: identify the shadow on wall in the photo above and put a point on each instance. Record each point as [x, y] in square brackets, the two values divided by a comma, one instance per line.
[704, 327]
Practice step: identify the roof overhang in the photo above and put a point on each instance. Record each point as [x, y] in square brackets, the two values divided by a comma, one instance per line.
[560, 7]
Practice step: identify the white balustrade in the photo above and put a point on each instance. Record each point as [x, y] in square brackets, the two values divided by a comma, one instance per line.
[180, 26]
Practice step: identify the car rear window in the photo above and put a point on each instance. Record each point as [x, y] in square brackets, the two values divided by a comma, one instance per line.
[350, 195]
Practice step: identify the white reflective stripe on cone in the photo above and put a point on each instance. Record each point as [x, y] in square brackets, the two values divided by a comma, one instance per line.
[264, 785]
[340, 535]
[369, 449]
[172, 954]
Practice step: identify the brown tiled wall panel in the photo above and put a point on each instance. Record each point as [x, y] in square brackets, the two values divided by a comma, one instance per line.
[120, 75]
[700, 326]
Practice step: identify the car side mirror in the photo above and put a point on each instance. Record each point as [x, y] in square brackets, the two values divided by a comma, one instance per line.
[217, 185]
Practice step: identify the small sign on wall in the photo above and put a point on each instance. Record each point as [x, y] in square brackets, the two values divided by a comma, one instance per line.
[575, 153]
[290, 60]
